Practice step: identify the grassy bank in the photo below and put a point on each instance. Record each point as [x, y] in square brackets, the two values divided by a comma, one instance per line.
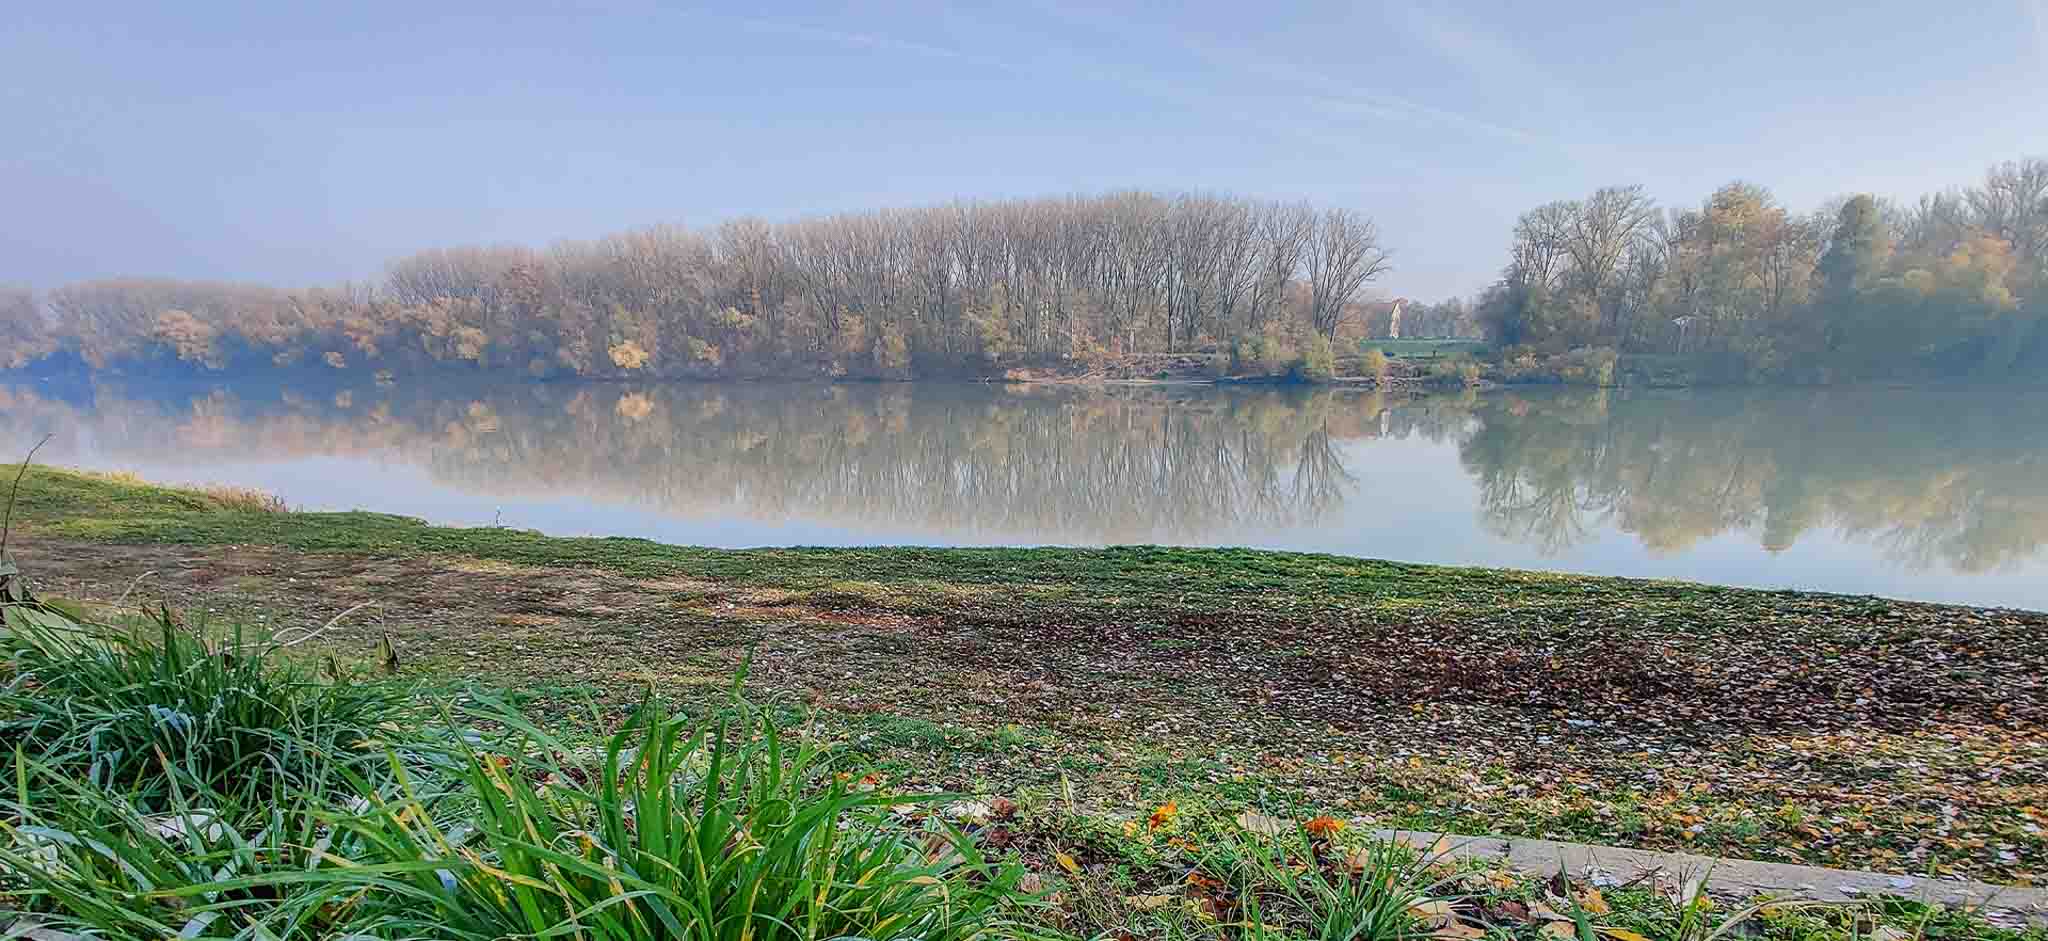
[175, 781]
[1832, 730]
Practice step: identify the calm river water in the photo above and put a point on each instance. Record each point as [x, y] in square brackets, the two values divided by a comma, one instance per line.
[1935, 494]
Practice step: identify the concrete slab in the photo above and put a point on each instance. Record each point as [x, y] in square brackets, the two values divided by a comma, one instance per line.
[1735, 878]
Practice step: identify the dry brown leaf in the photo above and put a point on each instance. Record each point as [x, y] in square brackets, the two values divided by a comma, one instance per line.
[1263, 825]
[1592, 901]
[1561, 930]
[1031, 884]
[1434, 914]
[1458, 931]
[1543, 912]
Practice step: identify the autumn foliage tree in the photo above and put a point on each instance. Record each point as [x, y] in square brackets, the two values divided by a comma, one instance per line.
[1956, 284]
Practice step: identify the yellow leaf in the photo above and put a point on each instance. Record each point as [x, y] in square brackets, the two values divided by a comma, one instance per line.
[1621, 934]
[924, 880]
[1148, 903]
[1067, 863]
[1592, 901]
[1163, 816]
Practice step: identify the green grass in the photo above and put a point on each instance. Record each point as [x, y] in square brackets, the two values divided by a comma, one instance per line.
[725, 821]
[1831, 730]
[1423, 348]
[117, 707]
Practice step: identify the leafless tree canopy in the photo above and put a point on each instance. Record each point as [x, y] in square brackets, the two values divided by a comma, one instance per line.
[960, 287]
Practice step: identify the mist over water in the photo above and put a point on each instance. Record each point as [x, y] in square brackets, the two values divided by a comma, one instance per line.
[1933, 493]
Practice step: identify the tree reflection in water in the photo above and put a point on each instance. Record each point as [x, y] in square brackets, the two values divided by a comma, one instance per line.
[1950, 477]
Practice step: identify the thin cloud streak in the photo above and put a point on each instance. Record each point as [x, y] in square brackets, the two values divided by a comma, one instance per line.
[879, 42]
[1141, 84]
[1328, 93]
[1338, 94]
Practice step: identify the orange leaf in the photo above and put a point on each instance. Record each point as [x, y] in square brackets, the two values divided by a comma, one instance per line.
[1163, 816]
[1324, 827]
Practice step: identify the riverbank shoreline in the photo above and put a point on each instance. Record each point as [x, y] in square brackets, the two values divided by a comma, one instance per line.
[1820, 729]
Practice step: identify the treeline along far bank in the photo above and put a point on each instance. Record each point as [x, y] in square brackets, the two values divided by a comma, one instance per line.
[1741, 288]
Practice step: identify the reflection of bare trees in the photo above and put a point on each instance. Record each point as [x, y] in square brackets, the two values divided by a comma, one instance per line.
[1932, 477]
[1321, 481]
[1054, 464]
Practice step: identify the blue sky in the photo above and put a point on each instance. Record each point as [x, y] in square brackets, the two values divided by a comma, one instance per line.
[297, 143]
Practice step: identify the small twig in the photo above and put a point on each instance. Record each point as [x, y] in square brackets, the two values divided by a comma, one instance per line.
[276, 645]
[7, 526]
[123, 600]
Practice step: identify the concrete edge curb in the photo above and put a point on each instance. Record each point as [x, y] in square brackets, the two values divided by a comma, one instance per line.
[1741, 878]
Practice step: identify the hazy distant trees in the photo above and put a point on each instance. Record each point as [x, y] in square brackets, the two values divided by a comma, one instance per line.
[956, 288]
[22, 330]
[1954, 283]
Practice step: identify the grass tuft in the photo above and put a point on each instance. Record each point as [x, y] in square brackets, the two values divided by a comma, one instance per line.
[145, 708]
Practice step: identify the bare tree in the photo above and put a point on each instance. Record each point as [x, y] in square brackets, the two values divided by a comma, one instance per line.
[1344, 256]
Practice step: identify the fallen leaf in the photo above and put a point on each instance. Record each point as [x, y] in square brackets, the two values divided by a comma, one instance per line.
[1163, 816]
[1561, 930]
[1324, 827]
[1148, 903]
[1545, 912]
[1434, 913]
[1031, 884]
[1620, 934]
[1263, 825]
[1458, 931]
[1593, 902]
[1067, 863]
[970, 812]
